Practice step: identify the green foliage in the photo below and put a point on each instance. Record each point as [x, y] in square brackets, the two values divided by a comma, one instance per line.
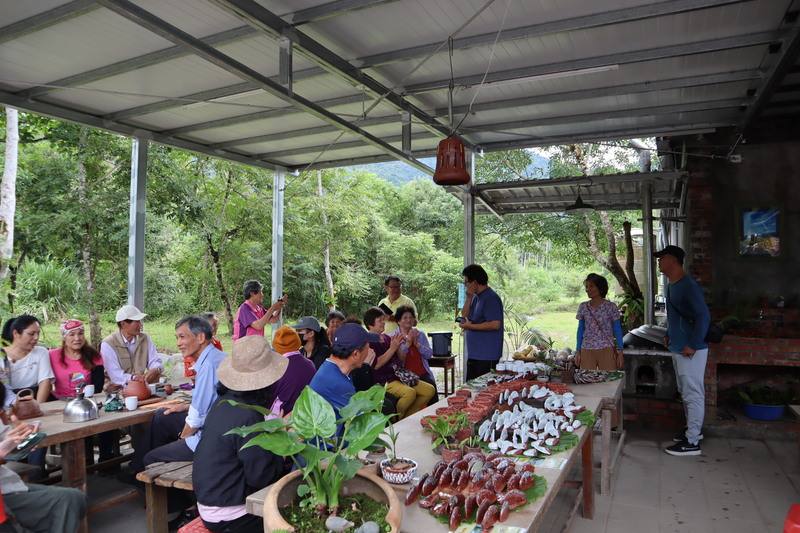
[764, 395]
[330, 457]
[444, 429]
[47, 289]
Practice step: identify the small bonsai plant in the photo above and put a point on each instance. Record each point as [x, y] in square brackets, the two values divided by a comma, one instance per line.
[444, 430]
[329, 446]
[471, 444]
[396, 469]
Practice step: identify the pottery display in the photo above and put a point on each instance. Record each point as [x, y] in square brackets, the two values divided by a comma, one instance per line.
[26, 406]
[137, 387]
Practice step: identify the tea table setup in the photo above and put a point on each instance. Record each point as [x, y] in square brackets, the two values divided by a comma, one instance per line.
[70, 435]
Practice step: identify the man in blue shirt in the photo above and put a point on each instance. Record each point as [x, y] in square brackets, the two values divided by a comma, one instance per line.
[350, 349]
[175, 431]
[687, 324]
[482, 322]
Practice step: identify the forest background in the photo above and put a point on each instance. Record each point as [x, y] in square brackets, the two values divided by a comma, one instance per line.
[208, 229]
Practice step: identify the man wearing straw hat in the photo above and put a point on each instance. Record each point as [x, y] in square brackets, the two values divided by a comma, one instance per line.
[224, 474]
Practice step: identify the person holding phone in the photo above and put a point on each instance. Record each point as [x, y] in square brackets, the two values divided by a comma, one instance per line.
[482, 322]
[35, 507]
[251, 317]
[394, 300]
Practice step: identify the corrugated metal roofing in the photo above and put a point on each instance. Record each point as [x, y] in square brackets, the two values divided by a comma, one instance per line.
[560, 69]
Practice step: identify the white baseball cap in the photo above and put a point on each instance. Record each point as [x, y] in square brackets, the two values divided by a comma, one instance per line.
[129, 312]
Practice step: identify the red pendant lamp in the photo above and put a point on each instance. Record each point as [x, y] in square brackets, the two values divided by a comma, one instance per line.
[451, 163]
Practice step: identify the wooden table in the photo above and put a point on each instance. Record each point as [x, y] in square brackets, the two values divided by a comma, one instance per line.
[610, 395]
[413, 442]
[70, 436]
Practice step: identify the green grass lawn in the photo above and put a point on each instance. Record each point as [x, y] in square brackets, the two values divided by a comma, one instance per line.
[560, 325]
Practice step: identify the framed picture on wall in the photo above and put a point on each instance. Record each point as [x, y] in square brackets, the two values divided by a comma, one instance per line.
[760, 233]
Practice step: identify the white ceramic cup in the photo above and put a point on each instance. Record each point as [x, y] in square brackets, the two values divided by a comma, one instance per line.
[152, 387]
[131, 403]
[88, 391]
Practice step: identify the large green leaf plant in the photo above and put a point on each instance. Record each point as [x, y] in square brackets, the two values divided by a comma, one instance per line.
[328, 446]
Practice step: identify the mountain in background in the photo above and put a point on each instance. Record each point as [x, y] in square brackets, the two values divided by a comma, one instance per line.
[399, 173]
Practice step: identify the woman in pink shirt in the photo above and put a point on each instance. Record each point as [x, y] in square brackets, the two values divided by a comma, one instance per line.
[252, 317]
[76, 363]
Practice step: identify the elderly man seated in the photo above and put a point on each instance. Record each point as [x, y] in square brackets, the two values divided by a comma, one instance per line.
[175, 431]
[128, 352]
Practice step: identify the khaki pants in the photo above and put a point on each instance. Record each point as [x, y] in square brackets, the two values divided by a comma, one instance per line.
[410, 399]
[602, 359]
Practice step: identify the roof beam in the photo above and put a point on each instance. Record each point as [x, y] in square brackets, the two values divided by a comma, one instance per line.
[506, 204]
[263, 19]
[71, 115]
[786, 57]
[331, 9]
[535, 30]
[668, 110]
[584, 22]
[303, 16]
[162, 28]
[42, 20]
[628, 177]
[581, 94]
[620, 58]
[632, 206]
[530, 142]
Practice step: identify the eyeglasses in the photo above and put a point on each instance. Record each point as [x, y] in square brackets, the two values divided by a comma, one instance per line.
[393, 286]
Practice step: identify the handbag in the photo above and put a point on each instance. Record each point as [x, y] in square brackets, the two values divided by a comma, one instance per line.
[406, 376]
[617, 356]
[414, 361]
[714, 333]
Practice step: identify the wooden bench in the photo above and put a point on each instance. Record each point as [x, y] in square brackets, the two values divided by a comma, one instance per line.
[158, 479]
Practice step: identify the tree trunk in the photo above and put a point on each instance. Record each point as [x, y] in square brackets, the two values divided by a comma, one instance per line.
[326, 251]
[8, 191]
[223, 291]
[637, 291]
[87, 257]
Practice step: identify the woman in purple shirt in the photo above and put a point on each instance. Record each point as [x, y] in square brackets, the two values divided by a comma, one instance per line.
[252, 317]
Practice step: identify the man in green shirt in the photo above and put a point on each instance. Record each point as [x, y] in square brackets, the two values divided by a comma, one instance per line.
[394, 299]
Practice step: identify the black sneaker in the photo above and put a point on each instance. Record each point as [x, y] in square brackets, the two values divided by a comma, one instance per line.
[681, 436]
[684, 448]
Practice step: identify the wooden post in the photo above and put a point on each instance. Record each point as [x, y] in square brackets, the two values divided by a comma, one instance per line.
[605, 452]
[73, 471]
[588, 482]
[156, 502]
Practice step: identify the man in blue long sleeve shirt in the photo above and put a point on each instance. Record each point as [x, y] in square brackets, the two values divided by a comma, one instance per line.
[687, 324]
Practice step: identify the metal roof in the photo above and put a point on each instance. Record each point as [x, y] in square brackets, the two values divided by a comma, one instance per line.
[205, 75]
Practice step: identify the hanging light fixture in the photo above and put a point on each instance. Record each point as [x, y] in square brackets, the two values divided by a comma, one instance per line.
[451, 161]
[579, 207]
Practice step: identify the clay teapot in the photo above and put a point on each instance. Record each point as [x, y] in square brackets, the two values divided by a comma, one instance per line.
[26, 405]
[137, 387]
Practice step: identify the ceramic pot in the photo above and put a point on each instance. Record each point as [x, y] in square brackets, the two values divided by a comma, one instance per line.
[398, 475]
[26, 405]
[284, 491]
[463, 434]
[449, 455]
[137, 387]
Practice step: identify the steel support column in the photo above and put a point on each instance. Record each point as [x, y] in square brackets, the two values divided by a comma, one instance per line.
[139, 148]
[285, 66]
[647, 252]
[405, 120]
[469, 239]
[278, 187]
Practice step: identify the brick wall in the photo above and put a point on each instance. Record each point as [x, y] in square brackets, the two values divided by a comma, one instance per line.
[700, 204]
[653, 414]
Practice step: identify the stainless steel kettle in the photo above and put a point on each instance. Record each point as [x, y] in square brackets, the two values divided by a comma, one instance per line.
[80, 409]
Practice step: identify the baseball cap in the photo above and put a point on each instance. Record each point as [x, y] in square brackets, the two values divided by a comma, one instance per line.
[308, 322]
[675, 251]
[129, 312]
[352, 337]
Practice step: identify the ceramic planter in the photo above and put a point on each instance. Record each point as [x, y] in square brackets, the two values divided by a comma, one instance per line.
[284, 491]
[401, 475]
[450, 455]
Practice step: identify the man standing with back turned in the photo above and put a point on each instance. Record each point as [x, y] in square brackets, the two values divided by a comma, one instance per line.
[687, 324]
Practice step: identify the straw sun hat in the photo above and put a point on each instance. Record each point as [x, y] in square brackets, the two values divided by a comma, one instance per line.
[251, 365]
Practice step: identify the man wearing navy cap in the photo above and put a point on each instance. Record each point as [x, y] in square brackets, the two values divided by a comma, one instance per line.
[687, 324]
[350, 348]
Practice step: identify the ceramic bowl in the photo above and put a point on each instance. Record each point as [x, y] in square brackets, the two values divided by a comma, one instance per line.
[398, 477]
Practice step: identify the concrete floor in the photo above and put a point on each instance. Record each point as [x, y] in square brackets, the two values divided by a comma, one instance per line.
[736, 486]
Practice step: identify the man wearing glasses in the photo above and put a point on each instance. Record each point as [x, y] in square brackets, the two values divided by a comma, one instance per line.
[393, 301]
[482, 322]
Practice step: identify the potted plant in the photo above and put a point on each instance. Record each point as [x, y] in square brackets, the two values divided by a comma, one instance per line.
[463, 426]
[763, 403]
[472, 444]
[397, 470]
[443, 430]
[327, 481]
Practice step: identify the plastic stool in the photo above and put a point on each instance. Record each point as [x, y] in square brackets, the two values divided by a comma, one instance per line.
[792, 522]
[195, 526]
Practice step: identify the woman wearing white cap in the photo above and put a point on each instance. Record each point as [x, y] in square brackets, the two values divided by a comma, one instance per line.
[224, 473]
